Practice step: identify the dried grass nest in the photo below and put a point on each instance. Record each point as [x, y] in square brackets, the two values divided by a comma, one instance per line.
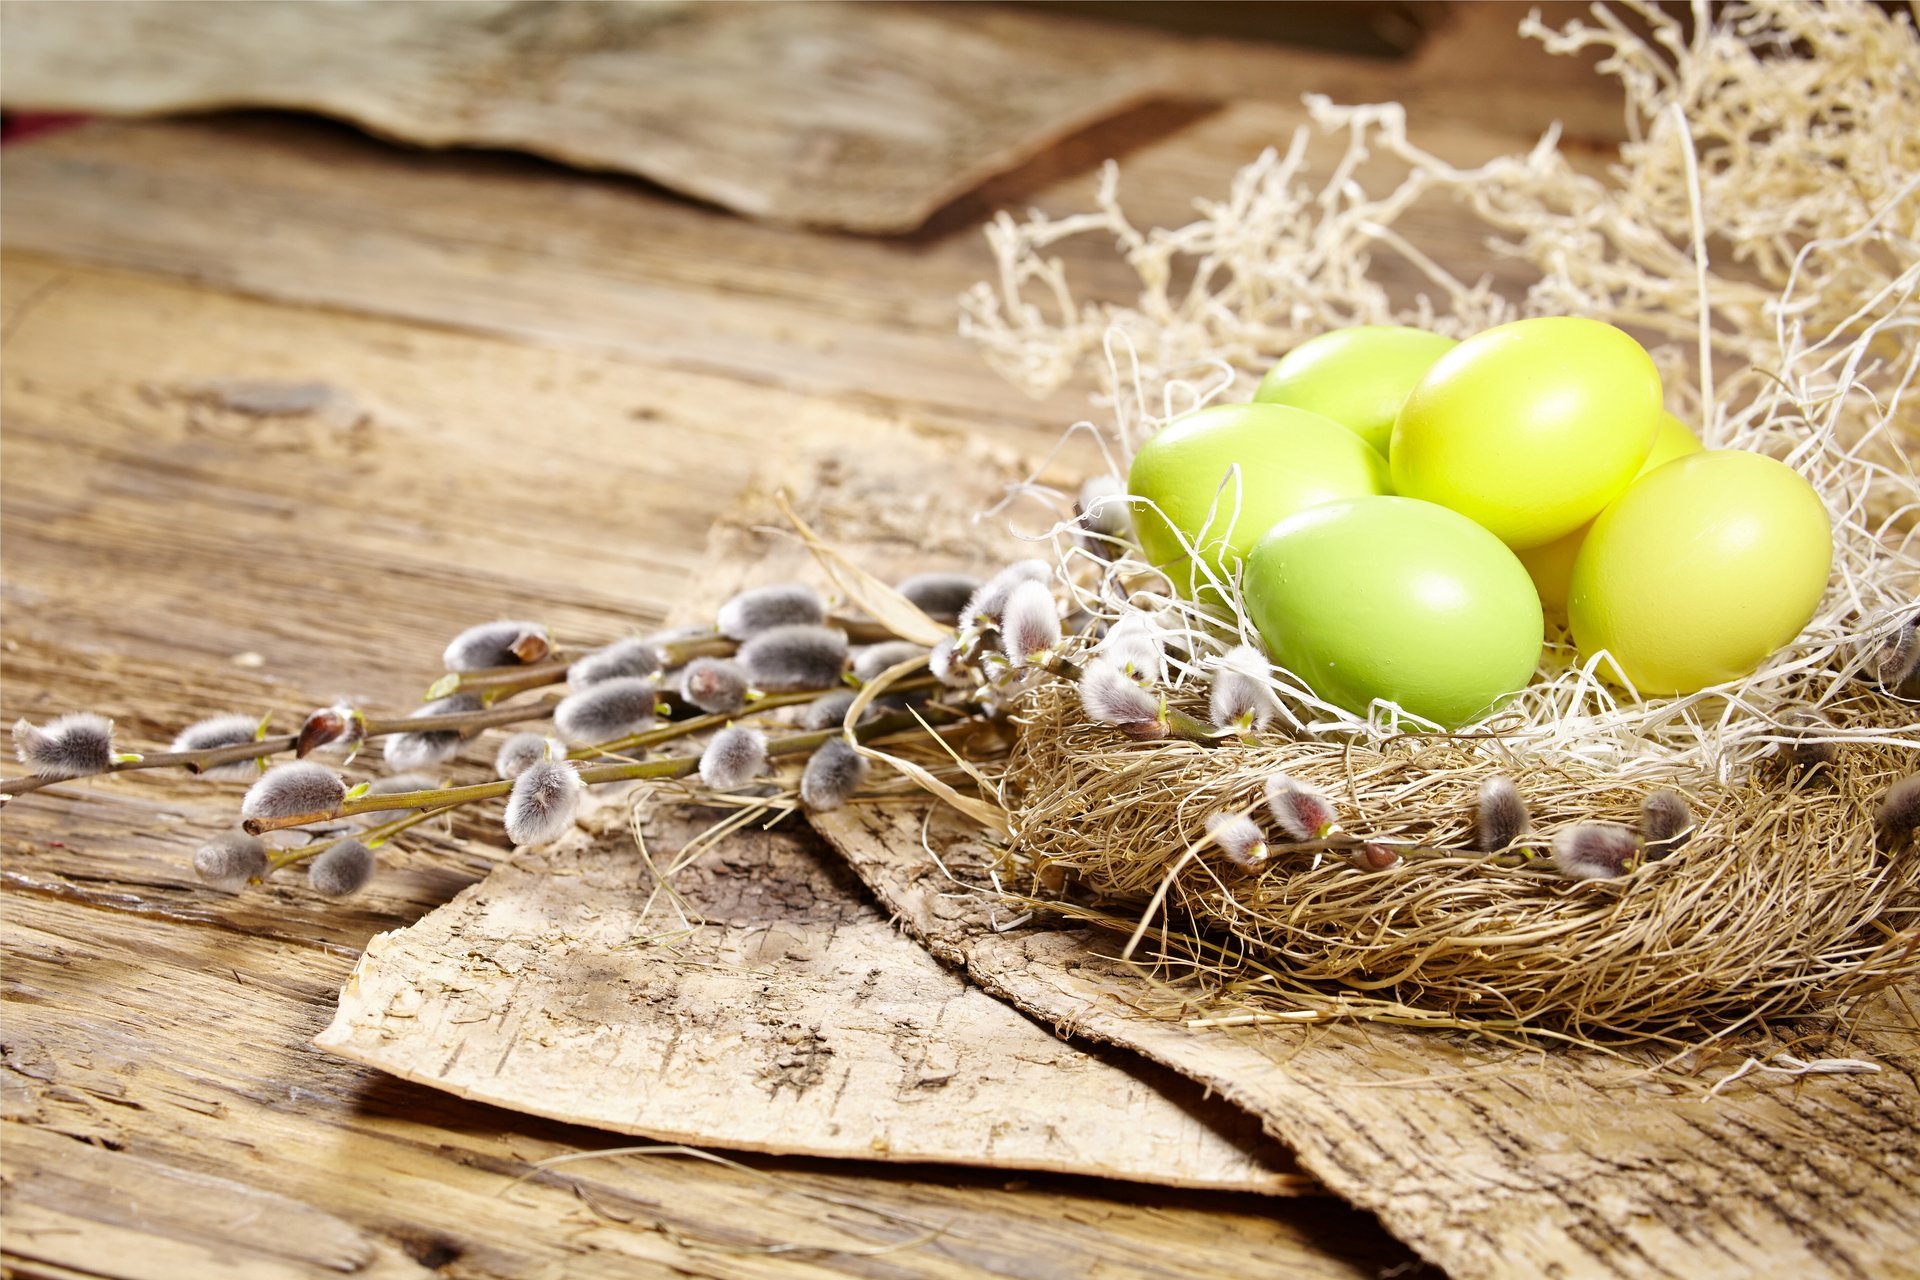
[1762, 233]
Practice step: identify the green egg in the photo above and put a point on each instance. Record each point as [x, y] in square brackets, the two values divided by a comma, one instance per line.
[1396, 599]
[1220, 477]
[1358, 376]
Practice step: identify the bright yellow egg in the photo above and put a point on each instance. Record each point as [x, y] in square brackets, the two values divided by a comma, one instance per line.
[1701, 571]
[1551, 566]
[1529, 428]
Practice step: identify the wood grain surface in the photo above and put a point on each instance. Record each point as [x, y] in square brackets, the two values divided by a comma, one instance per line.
[544, 387]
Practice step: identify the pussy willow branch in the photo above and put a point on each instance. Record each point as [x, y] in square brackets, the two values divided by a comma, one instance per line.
[673, 653]
[675, 767]
[373, 838]
[720, 719]
[377, 727]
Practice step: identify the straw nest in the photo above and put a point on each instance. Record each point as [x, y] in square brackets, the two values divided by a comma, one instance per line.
[1783, 309]
[1781, 900]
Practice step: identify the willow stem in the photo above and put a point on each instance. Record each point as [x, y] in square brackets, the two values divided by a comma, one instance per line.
[198, 761]
[674, 767]
[720, 719]
[373, 837]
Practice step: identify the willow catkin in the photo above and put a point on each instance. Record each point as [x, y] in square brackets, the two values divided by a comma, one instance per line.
[294, 789]
[941, 596]
[607, 710]
[543, 801]
[216, 732]
[733, 757]
[342, 870]
[72, 746]
[763, 608]
[230, 860]
[622, 658]
[497, 644]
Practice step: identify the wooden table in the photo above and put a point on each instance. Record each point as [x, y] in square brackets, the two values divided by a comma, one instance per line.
[544, 385]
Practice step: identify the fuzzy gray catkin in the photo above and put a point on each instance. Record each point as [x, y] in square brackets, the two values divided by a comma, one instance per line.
[941, 596]
[1594, 851]
[833, 773]
[544, 799]
[605, 711]
[1899, 814]
[230, 860]
[1303, 813]
[497, 644]
[72, 746]
[1136, 646]
[763, 608]
[520, 752]
[220, 731]
[869, 662]
[1110, 696]
[1240, 698]
[342, 870]
[1666, 823]
[1102, 511]
[292, 790]
[989, 603]
[828, 711]
[787, 658]
[1030, 626]
[1501, 817]
[733, 757]
[622, 658]
[1238, 837]
[408, 751]
[717, 686]
[1899, 655]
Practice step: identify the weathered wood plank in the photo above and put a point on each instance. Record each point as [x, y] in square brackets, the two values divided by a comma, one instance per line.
[139, 1042]
[148, 542]
[862, 117]
[297, 212]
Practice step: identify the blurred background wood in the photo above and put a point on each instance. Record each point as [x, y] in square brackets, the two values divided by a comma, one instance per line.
[543, 387]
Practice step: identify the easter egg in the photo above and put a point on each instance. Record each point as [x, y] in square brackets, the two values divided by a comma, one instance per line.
[1551, 566]
[1529, 428]
[1700, 571]
[1359, 377]
[1397, 599]
[1222, 476]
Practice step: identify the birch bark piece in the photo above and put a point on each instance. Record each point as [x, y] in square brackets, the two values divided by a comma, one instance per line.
[1490, 1162]
[794, 1020]
[867, 118]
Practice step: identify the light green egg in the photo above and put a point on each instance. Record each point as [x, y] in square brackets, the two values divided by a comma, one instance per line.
[1358, 376]
[1396, 599]
[1222, 476]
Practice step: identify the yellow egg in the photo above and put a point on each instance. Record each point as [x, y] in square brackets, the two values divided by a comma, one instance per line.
[1701, 571]
[1551, 566]
[1529, 428]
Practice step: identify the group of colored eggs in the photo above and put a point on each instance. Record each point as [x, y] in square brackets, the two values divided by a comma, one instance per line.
[1406, 510]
